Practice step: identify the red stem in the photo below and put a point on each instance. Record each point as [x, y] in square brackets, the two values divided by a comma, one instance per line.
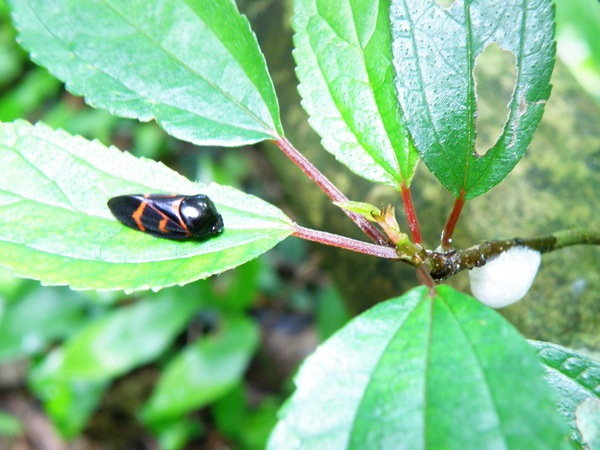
[411, 215]
[425, 278]
[451, 223]
[344, 242]
[330, 189]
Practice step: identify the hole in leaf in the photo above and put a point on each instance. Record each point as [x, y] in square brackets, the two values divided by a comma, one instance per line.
[445, 3]
[495, 78]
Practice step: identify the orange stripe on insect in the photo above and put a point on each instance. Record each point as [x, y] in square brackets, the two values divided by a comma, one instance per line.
[177, 205]
[137, 216]
[162, 225]
[169, 216]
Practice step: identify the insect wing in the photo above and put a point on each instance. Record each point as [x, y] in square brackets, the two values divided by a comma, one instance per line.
[157, 215]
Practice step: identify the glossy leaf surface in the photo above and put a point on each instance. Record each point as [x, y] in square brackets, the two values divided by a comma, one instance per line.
[343, 57]
[574, 376]
[435, 50]
[193, 66]
[55, 225]
[421, 372]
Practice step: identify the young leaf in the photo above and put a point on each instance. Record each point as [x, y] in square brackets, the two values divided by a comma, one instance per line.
[55, 225]
[575, 378]
[343, 53]
[434, 54]
[366, 210]
[421, 372]
[203, 372]
[193, 66]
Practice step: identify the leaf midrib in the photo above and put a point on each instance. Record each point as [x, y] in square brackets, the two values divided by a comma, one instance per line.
[428, 111]
[393, 174]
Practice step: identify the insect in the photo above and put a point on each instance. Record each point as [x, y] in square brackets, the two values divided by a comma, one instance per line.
[169, 216]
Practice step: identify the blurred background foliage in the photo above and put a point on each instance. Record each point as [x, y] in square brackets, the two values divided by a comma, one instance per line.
[577, 31]
[50, 336]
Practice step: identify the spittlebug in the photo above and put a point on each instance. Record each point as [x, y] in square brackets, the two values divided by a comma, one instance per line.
[169, 216]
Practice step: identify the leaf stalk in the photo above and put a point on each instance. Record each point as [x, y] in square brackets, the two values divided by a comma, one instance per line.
[355, 245]
[451, 223]
[411, 214]
[331, 190]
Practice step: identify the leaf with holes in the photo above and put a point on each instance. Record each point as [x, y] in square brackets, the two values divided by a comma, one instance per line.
[55, 225]
[195, 67]
[343, 53]
[435, 50]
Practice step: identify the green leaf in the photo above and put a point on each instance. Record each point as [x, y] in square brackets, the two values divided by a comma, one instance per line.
[55, 225]
[69, 404]
[71, 380]
[122, 340]
[366, 210]
[245, 424]
[193, 66]
[43, 316]
[434, 54]
[577, 31]
[10, 425]
[12, 59]
[176, 434]
[203, 372]
[422, 372]
[575, 378]
[240, 287]
[33, 89]
[343, 53]
[331, 312]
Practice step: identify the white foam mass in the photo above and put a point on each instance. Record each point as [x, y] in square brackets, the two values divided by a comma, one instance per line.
[505, 279]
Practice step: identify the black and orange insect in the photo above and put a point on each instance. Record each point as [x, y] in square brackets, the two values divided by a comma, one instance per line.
[169, 216]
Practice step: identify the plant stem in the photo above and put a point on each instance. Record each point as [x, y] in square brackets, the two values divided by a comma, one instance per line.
[450, 263]
[576, 236]
[331, 190]
[425, 278]
[344, 242]
[411, 215]
[451, 223]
